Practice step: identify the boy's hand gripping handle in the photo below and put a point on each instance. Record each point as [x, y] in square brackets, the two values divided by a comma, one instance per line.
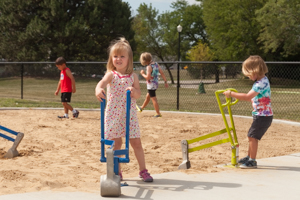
[228, 100]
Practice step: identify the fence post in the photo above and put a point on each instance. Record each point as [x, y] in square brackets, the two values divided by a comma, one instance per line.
[178, 86]
[22, 72]
[178, 70]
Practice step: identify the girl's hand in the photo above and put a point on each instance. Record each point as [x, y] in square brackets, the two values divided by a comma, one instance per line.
[142, 72]
[227, 93]
[166, 84]
[100, 94]
[132, 91]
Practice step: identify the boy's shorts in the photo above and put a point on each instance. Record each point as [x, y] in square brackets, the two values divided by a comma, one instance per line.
[152, 93]
[259, 126]
[66, 96]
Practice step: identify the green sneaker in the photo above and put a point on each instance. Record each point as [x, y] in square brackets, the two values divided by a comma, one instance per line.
[157, 115]
[243, 160]
[139, 108]
[250, 164]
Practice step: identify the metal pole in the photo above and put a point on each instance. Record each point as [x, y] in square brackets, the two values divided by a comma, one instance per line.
[178, 84]
[22, 72]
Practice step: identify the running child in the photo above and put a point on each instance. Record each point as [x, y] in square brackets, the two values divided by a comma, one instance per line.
[153, 70]
[260, 95]
[66, 85]
[118, 79]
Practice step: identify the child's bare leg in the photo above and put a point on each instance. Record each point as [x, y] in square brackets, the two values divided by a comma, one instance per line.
[147, 100]
[67, 107]
[155, 104]
[139, 152]
[253, 146]
[118, 144]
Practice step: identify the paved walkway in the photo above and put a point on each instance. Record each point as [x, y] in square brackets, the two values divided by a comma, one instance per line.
[276, 178]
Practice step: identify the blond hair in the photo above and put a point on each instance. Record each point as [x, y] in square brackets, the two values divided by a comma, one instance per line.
[145, 58]
[119, 46]
[254, 65]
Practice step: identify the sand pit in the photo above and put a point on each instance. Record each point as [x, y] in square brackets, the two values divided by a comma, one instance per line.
[63, 155]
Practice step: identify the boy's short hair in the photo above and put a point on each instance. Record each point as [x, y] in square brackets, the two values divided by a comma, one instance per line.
[254, 65]
[60, 61]
[145, 58]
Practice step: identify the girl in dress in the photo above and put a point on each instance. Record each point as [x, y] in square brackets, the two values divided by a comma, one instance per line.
[118, 79]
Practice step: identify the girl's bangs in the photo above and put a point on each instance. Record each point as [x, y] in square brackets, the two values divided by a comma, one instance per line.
[119, 49]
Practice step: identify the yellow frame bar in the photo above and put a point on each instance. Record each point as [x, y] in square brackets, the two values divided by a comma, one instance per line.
[233, 140]
[208, 145]
[207, 136]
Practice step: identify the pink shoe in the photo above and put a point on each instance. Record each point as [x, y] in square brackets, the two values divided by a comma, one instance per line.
[121, 176]
[146, 176]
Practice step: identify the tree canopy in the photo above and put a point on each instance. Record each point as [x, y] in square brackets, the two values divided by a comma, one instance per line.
[200, 52]
[232, 27]
[157, 33]
[280, 20]
[40, 30]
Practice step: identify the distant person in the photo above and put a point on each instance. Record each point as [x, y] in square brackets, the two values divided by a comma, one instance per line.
[66, 85]
[153, 70]
[118, 79]
[260, 96]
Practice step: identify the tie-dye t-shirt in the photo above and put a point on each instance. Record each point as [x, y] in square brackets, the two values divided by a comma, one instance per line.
[152, 84]
[262, 102]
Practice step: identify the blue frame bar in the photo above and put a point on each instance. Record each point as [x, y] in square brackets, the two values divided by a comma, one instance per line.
[8, 130]
[6, 137]
[128, 104]
[102, 105]
[104, 141]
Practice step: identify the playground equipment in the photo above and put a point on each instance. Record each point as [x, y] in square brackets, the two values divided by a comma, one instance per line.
[233, 140]
[110, 183]
[12, 152]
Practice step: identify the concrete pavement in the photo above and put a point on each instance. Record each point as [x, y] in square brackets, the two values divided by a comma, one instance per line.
[276, 178]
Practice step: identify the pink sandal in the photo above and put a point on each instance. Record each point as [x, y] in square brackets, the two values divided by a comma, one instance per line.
[121, 176]
[146, 176]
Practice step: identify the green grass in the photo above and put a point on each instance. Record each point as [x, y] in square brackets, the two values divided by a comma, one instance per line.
[40, 93]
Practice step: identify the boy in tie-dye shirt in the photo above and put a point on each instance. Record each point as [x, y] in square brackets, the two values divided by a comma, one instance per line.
[262, 102]
[260, 96]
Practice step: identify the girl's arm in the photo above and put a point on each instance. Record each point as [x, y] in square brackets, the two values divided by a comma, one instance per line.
[135, 89]
[149, 71]
[99, 90]
[241, 96]
[163, 76]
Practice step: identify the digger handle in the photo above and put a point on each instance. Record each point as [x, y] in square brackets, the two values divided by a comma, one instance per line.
[228, 102]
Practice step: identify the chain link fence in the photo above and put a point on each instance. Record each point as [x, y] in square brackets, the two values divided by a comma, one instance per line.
[194, 92]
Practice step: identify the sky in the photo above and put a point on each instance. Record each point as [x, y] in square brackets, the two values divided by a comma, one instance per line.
[161, 5]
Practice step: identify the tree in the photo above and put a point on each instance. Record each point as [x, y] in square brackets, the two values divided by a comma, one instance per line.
[147, 30]
[39, 30]
[200, 52]
[232, 27]
[158, 34]
[280, 20]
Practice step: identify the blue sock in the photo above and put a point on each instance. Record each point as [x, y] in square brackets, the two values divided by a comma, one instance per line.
[252, 159]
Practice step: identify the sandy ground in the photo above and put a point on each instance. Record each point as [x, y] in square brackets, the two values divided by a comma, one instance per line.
[63, 155]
